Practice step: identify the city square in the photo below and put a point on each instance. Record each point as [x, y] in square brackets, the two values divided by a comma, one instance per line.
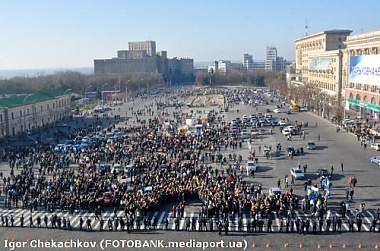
[333, 148]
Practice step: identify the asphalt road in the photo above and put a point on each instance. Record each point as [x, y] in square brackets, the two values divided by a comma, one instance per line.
[333, 148]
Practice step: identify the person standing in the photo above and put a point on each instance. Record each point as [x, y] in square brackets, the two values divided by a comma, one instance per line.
[31, 221]
[101, 224]
[373, 225]
[81, 223]
[22, 221]
[359, 223]
[88, 221]
[339, 224]
[45, 221]
[342, 167]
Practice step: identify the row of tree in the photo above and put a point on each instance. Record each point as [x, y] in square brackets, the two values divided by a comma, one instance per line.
[80, 83]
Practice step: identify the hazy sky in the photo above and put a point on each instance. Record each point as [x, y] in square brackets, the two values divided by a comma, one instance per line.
[72, 33]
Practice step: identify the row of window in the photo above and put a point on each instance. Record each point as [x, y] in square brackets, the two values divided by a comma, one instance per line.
[26, 112]
[364, 87]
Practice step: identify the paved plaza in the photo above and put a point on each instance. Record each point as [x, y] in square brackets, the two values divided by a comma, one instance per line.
[333, 148]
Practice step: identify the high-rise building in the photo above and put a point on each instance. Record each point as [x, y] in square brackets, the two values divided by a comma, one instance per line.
[148, 46]
[271, 58]
[248, 62]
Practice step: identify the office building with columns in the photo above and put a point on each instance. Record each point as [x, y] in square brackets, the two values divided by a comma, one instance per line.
[319, 63]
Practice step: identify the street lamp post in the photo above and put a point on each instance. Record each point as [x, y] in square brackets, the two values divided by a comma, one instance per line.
[102, 94]
[23, 105]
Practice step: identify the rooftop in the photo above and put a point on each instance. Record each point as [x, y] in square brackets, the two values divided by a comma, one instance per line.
[15, 100]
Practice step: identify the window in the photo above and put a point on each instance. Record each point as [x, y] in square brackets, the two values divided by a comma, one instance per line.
[12, 115]
[21, 114]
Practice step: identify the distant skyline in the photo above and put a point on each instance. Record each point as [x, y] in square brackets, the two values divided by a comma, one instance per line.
[39, 34]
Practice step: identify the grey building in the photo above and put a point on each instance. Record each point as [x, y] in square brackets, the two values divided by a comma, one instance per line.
[141, 57]
[248, 62]
[271, 58]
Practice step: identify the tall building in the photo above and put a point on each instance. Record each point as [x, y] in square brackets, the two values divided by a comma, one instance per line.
[321, 42]
[248, 62]
[319, 60]
[141, 57]
[148, 46]
[271, 58]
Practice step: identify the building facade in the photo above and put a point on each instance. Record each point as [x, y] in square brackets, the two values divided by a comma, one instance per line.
[24, 113]
[273, 62]
[142, 57]
[271, 57]
[362, 74]
[248, 62]
[223, 66]
[317, 43]
[345, 67]
[319, 63]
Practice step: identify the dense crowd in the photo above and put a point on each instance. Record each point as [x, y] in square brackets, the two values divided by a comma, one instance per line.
[158, 163]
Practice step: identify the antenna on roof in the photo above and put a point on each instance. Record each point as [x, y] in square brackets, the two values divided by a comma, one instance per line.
[306, 28]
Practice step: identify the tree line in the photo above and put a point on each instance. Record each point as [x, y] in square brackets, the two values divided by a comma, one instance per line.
[135, 82]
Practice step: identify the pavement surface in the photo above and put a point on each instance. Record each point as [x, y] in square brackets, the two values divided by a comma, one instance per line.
[332, 149]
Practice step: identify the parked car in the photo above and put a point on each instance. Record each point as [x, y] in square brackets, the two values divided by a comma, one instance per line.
[297, 173]
[322, 172]
[291, 151]
[251, 167]
[375, 160]
[282, 123]
[311, 145]
[375, 146]
[275, 191]
[278, 110]
[286, 132]
[245, 135]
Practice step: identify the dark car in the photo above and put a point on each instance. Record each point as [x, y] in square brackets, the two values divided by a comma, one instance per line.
[107, 198]
[291, 151]
[322, 172]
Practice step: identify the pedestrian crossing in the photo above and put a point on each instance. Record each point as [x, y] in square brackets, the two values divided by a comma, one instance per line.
[163, 216]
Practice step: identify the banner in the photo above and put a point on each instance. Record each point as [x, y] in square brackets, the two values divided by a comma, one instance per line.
[322, 64]
[365, 69]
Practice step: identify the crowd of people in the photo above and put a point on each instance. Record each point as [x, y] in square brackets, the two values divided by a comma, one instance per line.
[157, 164]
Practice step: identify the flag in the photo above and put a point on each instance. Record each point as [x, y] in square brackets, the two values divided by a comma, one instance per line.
[328, 184]
[310, 193]
[319, 203]
[327, 194]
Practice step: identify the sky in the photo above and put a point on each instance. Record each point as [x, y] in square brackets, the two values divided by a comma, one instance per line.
[40, 34]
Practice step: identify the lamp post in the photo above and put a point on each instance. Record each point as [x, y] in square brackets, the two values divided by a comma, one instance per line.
[23, 105]
[102, 94]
